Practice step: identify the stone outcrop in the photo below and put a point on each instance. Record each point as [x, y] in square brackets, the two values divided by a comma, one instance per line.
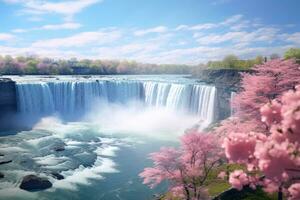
[34, 183]
[57, 176]
[8, 103]
[226, 81]
[2, 162]
[221, 78]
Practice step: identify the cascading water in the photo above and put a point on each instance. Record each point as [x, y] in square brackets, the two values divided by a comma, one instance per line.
[69, 97]
[124, 119]
[232, 95]
[203, 102]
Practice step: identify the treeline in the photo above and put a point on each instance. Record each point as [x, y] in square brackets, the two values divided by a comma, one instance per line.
[47, 66]
[32, 65]
[233, 62]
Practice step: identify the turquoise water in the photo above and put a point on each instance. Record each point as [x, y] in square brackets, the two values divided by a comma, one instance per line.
[95, 165]
[108, 147]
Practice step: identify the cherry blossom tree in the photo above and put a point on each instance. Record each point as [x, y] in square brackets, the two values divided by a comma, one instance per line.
[275, 155]
[186, 168]
[265, 83]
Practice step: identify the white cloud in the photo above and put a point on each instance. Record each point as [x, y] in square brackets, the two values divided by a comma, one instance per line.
[231, 21]
[184, 44]
[294, 38]
[6, 36]
[64, 26]
[197, 27]
[260, 35]
[158, 29]
[19, 30]
[65, 8]
[61, 26]
[80, 39]
[219, 2]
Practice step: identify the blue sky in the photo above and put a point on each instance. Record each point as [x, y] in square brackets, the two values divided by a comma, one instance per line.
[152, 31]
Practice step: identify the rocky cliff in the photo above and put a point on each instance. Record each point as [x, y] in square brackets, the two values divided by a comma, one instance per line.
[8, 103]
[226, 82]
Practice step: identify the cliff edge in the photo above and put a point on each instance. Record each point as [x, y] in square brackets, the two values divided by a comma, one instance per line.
[8, 103]
[226, 81]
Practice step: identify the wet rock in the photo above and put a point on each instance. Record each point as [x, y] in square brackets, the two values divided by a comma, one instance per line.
[57, 176]
[33, 183]
[8, 104]
[95, 140]
[59, 148]
[5, 162]
[1, 175]
[225, 81]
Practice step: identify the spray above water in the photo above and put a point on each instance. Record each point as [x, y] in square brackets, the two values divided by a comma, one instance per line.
[147, 107]
[135, 119]
[91, 122]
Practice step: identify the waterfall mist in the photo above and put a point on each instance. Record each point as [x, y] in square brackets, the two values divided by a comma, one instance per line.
[98, 131]
[131, 106]
[135, 118]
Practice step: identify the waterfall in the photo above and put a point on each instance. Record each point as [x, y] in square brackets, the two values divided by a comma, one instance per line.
[203, 102]
[76, 97]
[35, 98]
[232, 95]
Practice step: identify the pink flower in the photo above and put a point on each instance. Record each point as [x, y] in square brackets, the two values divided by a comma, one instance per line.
[222, 175]
[270, 186]
[238, 179]
[240, 147]
[271, 113]
[294, 191]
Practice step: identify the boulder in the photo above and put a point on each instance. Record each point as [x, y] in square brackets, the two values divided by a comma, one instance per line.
[57, 176]
[5, 162]
[33, 183]
[1, 175]
[59, 148]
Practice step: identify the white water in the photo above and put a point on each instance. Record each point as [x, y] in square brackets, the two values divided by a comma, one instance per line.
[69, 97]
[232, 95]
[137, 110]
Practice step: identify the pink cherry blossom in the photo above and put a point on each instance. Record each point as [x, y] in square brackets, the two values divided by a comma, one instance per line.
[275, 154]
[238, 179]
[185, 168]
[294, 191]
[222, 175]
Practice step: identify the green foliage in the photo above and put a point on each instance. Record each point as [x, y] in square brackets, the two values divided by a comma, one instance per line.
[31, 67]
[46, 66]
[292, 53]
[216, 186]
[233, 62]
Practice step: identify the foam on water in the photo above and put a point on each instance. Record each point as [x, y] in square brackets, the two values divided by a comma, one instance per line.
[72, 99]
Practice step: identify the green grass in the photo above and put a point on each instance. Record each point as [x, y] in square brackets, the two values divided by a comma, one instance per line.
[216, 186]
